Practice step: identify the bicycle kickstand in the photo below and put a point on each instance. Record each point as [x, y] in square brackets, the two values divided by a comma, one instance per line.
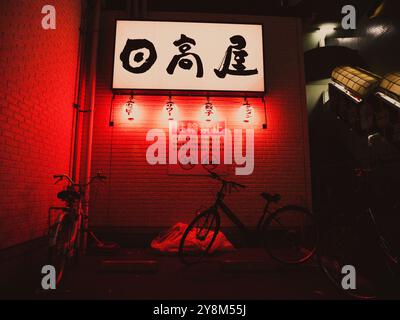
[100, 244]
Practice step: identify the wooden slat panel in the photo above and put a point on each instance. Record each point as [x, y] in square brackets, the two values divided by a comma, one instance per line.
[358, 81]
[390, 85]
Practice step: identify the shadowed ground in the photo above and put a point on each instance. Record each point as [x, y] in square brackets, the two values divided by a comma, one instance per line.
[244, 274]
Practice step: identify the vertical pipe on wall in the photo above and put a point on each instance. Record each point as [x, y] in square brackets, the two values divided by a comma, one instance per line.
[90, 107]
[78, 92]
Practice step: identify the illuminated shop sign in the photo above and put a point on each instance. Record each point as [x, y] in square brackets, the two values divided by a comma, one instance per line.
[188, 56]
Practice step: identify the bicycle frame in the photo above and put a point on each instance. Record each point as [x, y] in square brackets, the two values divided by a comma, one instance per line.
[59, 219]
[74, 210]
[219, 204]
[367, 209]
[384, 246]
[77, 219]
[67, 234]
[209, 220]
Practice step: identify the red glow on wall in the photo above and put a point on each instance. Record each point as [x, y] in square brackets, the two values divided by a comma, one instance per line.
[35, 144]
[141, 195]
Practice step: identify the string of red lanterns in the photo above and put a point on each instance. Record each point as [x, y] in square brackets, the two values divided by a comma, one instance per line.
[209, 110]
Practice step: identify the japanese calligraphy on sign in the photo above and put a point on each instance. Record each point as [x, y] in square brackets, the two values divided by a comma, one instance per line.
[188, 56]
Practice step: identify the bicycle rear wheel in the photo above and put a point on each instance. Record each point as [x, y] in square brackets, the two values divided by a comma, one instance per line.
[58, 251]
[291, 235]
[199, 237]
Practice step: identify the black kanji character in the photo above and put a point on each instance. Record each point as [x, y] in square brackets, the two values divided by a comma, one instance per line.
[138, 45]
[184, 44]
[238, 43]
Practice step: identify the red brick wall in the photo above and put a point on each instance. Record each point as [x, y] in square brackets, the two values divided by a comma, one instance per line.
[140, 195]
[37, 70]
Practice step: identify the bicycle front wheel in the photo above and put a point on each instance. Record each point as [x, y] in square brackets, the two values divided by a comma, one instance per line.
[291, 235]
[58, 250]
[199, 236]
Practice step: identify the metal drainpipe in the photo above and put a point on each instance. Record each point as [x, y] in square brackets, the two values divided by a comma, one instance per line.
[78, 92]
[90, 108]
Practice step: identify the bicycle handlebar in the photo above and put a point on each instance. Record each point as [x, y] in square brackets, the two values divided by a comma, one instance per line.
[60, 177]
[215, 176]
[238, 184]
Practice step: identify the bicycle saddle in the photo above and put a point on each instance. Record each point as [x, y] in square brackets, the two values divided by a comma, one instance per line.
[271, 197]
[68, 195]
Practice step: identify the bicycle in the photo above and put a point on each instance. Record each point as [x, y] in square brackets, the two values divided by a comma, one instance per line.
[346, 238]
[292, 227]
[67, 233]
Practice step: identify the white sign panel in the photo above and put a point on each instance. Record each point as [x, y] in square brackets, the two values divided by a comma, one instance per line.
[188, 56]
